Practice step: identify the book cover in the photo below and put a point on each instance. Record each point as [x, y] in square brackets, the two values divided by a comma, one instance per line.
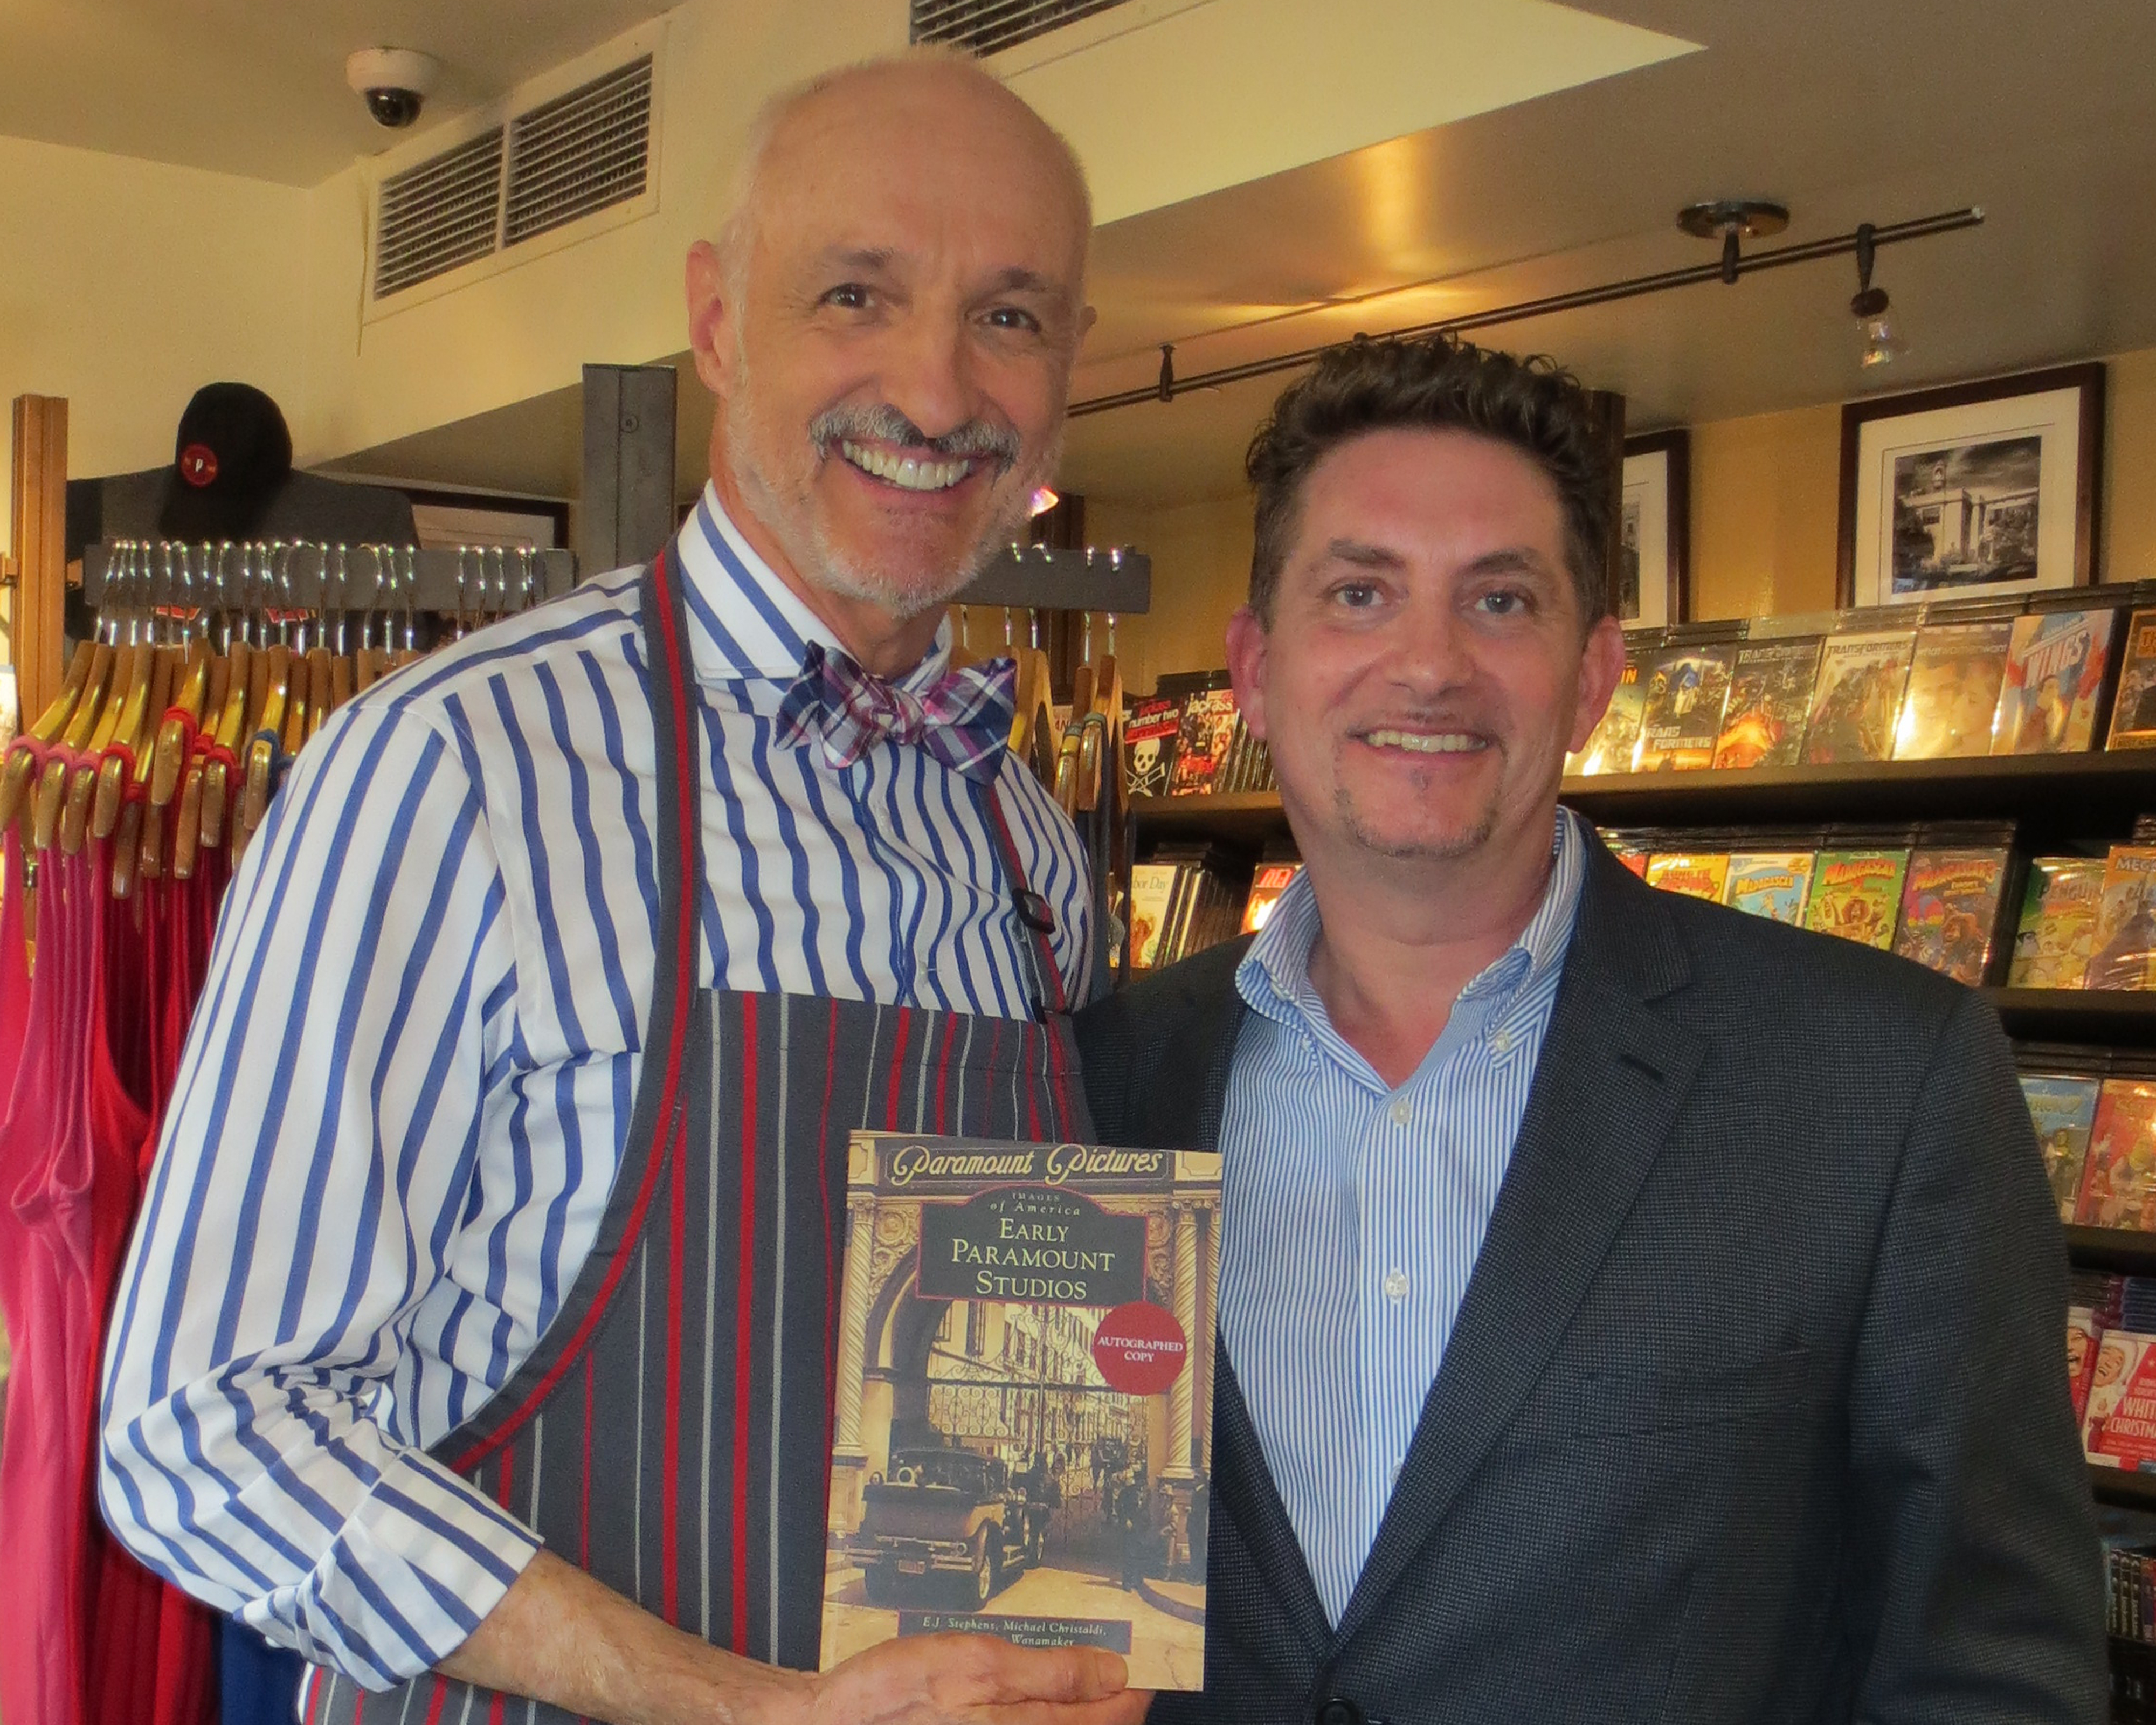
[1024, 1409]
[2124, 943]
[1770, 692]
[1266, 886]
[2057, 930]
[1149, 739]
[1857, 697]
[1950, 910]
[1686, 689]
[1151, 887]
[1608, 747]
[2118, 1183]
[2119, 1427]
[1954, 678]
[2083, 1333]
[2134, 715]
[1208, 720]
[2053, 680]
[2063, 1110]
[1695, 874]
[1776, 884]
[1857, 894]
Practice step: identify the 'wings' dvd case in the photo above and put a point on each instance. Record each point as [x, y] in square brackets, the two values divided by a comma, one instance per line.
[2064, 1110]
[1021, 1441]
[1857, 697]
[1775, 883]
[1953, 693]
[1770, 692]
[1857, 894]
[2058, 923]
[2055, 672]
[1687, 688]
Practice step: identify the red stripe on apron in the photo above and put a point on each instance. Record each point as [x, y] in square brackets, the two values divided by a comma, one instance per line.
[943, 1075]
[744, 1328]
[435, 1706]
[897, 1069]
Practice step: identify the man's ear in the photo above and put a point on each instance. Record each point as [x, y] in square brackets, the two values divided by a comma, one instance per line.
[1601, 665]
[1246, 668]
[712, 313]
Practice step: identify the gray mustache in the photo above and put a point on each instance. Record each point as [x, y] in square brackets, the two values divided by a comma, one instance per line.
[885, 423]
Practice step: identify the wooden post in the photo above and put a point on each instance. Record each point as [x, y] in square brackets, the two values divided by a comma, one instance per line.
[1610, 423]
[626, 511]
[38, 492]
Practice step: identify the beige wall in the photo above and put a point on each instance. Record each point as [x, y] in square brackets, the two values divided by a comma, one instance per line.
[1765, 496]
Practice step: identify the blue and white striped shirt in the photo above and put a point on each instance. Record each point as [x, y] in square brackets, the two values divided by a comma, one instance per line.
[406, 1092]
[1352, 1213]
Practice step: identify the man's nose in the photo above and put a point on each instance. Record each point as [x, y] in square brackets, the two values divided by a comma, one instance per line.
[925, 374]
[1430, 647]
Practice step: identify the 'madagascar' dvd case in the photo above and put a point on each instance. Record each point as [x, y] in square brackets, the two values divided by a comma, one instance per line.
[1023, 1430]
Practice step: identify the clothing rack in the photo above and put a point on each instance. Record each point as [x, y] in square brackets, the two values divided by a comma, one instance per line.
[1117, 580]
[305, 575]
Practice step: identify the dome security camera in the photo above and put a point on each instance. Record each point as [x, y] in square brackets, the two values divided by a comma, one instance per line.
[393, 81]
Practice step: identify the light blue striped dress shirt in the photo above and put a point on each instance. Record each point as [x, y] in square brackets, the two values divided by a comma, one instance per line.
[1351, 1212]
[406, 1092]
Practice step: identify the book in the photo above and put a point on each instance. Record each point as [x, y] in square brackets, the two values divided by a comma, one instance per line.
[2133, 712]
[1776, 884]
[1695, 874]
[1950, 901]
[1270, 881]
[2054, 681]
[1608, 747]
[2124, 943]
[1686, 688]
[2083, 1334]
[2063, 1110]
[2118, 1429]
[1857, 697]
[1208, 722]
[1857, 894]
[1025, 1419]
[1770, 692]
[2118, 1176]
[2058, 922]
[1955, 675]
[1150, 733]
[1151, 887]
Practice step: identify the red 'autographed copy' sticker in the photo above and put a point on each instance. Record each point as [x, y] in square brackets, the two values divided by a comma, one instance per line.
[1139, 1348]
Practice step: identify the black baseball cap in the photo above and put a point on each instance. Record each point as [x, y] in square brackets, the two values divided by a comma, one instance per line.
[233, 455]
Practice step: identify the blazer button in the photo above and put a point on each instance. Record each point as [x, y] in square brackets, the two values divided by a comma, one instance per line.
[1338, 1711]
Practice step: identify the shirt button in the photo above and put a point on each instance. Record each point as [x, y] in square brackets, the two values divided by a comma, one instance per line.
[1396, 1286]
[1501, 1043]
[1403, 1110]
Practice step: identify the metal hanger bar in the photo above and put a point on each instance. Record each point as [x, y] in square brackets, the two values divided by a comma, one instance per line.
[352, 583]
[1038, 579]
[1608, 293]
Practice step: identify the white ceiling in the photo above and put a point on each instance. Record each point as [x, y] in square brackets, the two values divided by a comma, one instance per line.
[256, 87]
[1847, 109]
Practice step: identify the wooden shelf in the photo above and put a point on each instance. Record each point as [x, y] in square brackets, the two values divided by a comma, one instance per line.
[2127, 1490]
[2077, 1015]
[2057, 798]
[2127, 1251]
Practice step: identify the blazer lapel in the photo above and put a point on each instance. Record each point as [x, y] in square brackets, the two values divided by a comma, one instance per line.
[1607, 1086]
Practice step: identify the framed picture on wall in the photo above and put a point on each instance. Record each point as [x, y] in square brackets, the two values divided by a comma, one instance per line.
[1654, 577]
[1972, 491]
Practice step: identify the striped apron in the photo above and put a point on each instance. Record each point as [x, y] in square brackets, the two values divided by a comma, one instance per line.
[671, 1432]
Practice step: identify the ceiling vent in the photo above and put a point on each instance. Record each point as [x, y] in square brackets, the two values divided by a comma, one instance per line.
[547, 167]
[442, 212]
[985, 26]
[580, 152]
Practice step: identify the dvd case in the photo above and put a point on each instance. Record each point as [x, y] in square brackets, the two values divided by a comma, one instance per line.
[2133, 713]
[1775, 883]
[2057, 930]
[1950, 904]
[2063, 1109]
[1857, 894]
[1608, 747]
[2118, 1183]
[1953, 695]
[1770, 692]
[1695, 874]
[2054, 683]
[2123, 947]
[1687, 688]
[1857, 697]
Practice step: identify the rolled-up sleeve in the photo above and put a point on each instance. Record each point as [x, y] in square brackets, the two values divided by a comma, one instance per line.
[320, 1154]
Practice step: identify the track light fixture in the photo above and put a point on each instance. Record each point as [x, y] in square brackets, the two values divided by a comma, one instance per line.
[1881, 341]
[1734, 219]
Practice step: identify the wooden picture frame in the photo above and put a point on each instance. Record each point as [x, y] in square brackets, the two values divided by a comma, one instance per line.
[1988, 489]
[1652, 587]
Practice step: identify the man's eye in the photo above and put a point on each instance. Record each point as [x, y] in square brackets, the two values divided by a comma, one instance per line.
[1356, 595]
[1505, 601]
[848, 296]
[1013, 317]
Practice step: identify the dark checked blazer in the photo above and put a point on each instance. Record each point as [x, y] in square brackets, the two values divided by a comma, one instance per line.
[1756, 1407]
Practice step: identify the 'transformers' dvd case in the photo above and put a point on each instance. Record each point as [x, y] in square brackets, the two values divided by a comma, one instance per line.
[1022, 1442]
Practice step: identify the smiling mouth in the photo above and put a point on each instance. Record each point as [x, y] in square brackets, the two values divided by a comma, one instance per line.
[908, 473]
[1427, 743]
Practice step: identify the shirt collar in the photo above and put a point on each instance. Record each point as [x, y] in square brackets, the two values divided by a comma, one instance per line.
[1273, 976]
[745, 623]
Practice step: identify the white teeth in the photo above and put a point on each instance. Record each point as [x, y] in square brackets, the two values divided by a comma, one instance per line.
[909, 472]
[1448, 742]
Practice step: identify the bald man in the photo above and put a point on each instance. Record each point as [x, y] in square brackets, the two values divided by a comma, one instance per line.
[478, 1339]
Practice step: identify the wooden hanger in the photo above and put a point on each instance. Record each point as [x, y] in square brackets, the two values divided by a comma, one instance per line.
[240, 661]
[135, 733]
[126, 832]
[187, 827]
[51, 794]
[173, 733]
[22, 764]
[71, 823]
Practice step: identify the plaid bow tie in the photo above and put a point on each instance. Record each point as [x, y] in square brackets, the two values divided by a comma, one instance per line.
[964, 718]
